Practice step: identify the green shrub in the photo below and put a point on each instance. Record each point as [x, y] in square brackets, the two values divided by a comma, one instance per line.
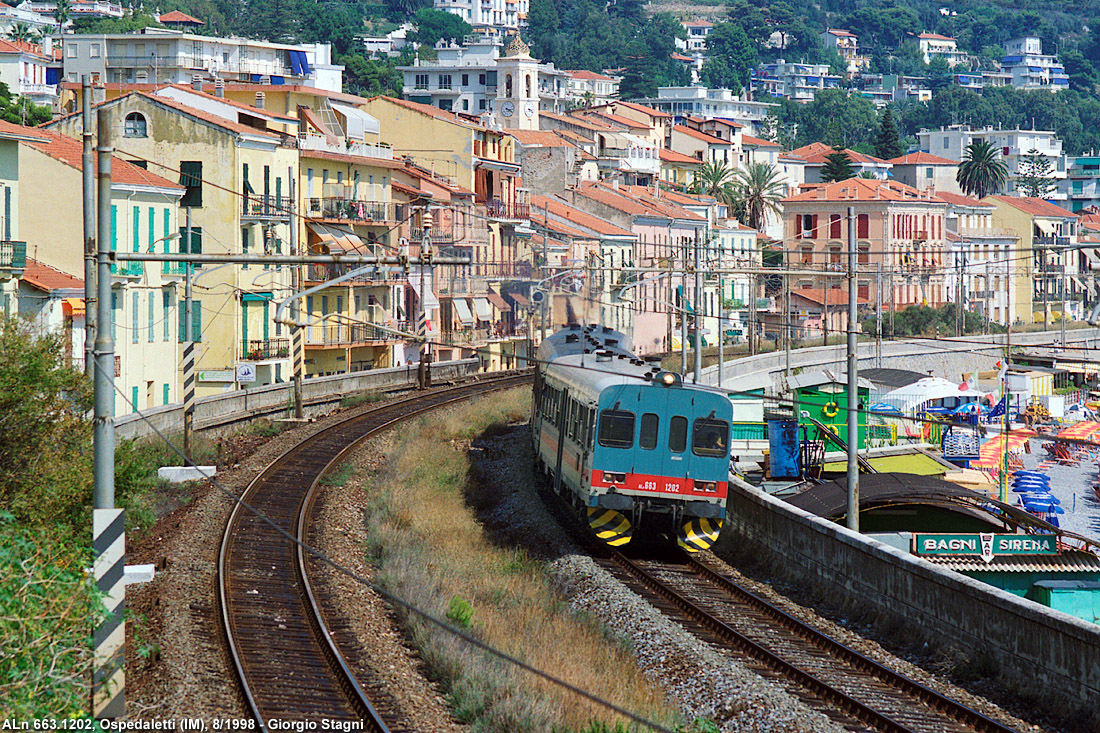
[460, 613]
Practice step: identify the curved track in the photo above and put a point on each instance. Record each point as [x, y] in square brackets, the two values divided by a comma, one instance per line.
[853, 689]
[289, 662]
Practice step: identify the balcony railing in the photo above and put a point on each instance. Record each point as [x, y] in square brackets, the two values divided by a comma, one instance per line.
[1051, 241]
[340, 334]
[13, 255]
[307, 141]
[323, 273]
[259, 349]
[360, 211]
[265, 207]
[501, 210]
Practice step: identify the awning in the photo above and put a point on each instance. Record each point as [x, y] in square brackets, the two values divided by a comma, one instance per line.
[484, 311]
[462, 311]
[499, 303]
[496, 165]
[520, 298]
[357, 121]
[75, 306]
[315, 123]
[1093, 258]
[337, 239]
[430, 301]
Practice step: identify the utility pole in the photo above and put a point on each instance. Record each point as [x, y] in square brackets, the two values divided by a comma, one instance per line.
[424, 377]
[1062, 284]
[698, 367]
[878, 318]
[88, 173]
[108, 523]
[188, 347]
[752, 315]
[297, 336]
[721, 324]
[788, 324]
[683, 308]
[853, 379]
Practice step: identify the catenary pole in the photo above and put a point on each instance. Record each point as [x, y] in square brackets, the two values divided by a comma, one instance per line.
[188, 347]
[88, 173]
[696, 267]
[297, 340]
[108, 523]
[853, 377]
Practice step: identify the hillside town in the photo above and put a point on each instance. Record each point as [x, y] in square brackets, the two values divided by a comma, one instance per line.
[570, 204]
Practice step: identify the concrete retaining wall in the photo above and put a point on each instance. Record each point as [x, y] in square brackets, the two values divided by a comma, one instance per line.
[947, 358]
[319, 395]
[1044, 651]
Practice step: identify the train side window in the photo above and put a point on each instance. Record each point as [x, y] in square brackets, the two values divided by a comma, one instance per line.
[647, 438]
[678, 434]
[710, 437]
[617, 429]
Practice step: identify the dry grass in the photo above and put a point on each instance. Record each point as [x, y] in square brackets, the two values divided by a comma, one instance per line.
[431, 551]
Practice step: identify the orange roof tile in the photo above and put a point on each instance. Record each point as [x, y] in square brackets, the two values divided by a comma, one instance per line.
[1034, 206]
[31, 49]
[643, 109]
[958, 199]
[352, 159]
[862, 189]
[709, 139]
[679, 57]
[583, 123]
[71, 152]
[839, 32]
[586, 74]
[758, 141]
[575, 215]
[10, 130]
[817, 152]
[671, 156]
[935, 36]
[619, 120]
[176, 16]
[921, 158]
[247, 108]
[44, 277]
[538, 138]
[837, 296]
[635, 200]
[429, 110]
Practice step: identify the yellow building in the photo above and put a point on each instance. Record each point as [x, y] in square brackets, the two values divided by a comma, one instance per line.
[144, 300]
[237, 164]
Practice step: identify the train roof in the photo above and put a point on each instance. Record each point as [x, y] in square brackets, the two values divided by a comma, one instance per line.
[591, 374]
[575, 338]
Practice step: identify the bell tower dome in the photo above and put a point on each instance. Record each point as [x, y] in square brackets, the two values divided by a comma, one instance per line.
[517, 102]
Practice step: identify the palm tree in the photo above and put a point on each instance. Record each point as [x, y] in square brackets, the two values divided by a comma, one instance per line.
[20, 32]
[981, 171]
[715, 178]
[757, 190]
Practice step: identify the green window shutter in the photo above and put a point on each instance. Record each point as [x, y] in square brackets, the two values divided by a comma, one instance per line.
[166, 267]
[165, 393]
[152, 316]
[191, 179]
[134, 399]
[196, 320]
[135, 268]
[246, 236]
[166, 301]
[135, 306]
[114, 233]
[115, 308]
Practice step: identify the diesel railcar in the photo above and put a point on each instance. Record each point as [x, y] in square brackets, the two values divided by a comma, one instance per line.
[629, 442]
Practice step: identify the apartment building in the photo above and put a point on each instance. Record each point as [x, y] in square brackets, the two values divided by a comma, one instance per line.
[30, 70]
[590, 88]
[1031, 68]
[982, 274]
[1080, 189]
[164, 56]
[934, 45]
[698, 101]
[951, 142]
[788, 80]
[899, 232]
[815, 154]
[926, 171]
[846, 44]
[144, 296]
[697, 33]
[498, 15]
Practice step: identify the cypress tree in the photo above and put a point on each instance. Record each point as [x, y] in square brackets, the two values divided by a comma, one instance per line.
[887, 143]
[838, 166]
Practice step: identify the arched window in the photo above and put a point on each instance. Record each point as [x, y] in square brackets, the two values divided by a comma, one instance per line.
[529, 95]
[507, 85]
[135, 125]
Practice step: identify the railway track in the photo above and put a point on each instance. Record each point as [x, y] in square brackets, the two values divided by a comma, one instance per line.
[854, 690]
[291, 662]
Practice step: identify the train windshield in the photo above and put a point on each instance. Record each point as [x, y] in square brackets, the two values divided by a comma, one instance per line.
[710, 437]
[616, 429]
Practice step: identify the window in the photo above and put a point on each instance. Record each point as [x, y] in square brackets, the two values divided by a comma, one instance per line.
[806, 255]
[465, 80]
[928, 172]
[135, 311]
[446, 104]
[93, 50]
[481, 104]
[196, 321]
[834, 226]
[465, 105]
[135, 125]
[166, 303]
[616, 429]
[444, 81]
[710, 437]
[152, 317]
[678, 434]
[481, 79]
[196, 242]
[421, 81]
[863, 226]
[648, 437]
[70, 50]
[191, 179]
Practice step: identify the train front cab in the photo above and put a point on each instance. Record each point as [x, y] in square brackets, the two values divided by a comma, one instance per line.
[660, 450]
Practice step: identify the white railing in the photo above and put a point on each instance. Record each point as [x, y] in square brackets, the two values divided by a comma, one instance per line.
[348, 147]
[26, 87]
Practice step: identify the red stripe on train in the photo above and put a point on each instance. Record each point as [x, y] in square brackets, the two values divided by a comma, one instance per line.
[659, 485]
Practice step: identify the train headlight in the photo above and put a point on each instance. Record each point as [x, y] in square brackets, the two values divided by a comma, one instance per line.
[668, 379]
[614, 478]
[709, 487]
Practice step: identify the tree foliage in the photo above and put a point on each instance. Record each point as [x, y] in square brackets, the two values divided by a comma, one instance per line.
[730, 57]
[758, 188]
[923, 320]
[434, 25]
[371, 77]
[981, 171]
[1036, 177]
[887, 143]
[837, 167]
[715, 178]
[835, 117]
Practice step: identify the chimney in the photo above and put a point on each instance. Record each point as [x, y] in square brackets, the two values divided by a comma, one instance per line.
[47, 46]
[261, 100]
[196, 82]
[219, 88]
[615, 183]
[99, 93]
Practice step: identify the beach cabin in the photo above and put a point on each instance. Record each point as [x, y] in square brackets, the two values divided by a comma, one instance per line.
[823, 395]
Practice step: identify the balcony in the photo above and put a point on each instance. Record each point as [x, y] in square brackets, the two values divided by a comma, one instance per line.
[316, 273]
[345, 334]
[366, 212]
[261, 349]
[1050, 241]
[265, 207]
[319, 143]
[32, 89]
[513, 212]
[13, 255]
